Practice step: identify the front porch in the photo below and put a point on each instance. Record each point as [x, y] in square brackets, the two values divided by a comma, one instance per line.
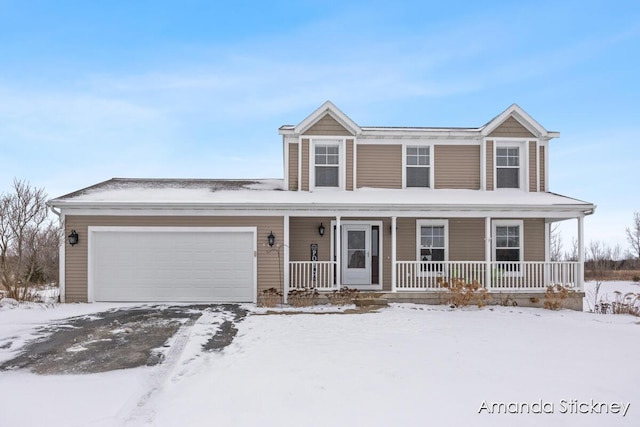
[412, 256]
[418, 276]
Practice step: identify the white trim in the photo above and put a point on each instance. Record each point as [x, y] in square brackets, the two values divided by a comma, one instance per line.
[508, 223]
[580, 253]
[431, 223]
[547, 241]
[102, 229]
[546, 166]
[327, 108]
[338, 252]
[431, 165]
[354, 178]
[523, 150]
[285, 149]
[487, 251]
[285, 266]
[537, 165]
[300, 148]
[374, 211]
[483, 165]
[394, 140]
[380, 225]
[521, 116]
[341, 141]
[394, 279]
[62, 266]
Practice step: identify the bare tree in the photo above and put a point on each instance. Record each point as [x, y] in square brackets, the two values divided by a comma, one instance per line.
[26, 235]
[633, 235]
[572, 253]
[555, 243]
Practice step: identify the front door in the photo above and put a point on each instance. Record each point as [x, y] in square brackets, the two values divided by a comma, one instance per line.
[356, 254]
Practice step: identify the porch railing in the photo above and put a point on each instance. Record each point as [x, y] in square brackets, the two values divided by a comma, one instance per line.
[312, 274]
[507, 276]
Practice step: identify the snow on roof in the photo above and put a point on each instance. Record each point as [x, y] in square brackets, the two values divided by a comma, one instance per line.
[270, 192]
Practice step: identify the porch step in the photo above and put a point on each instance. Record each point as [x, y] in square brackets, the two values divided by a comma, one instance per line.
[366, 302]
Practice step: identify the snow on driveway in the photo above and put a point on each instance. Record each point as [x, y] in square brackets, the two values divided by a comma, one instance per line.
[405, 365]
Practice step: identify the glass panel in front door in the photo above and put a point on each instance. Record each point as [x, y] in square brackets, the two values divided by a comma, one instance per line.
[356, 248]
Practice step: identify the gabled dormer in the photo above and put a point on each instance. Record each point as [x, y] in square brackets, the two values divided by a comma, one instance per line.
[516, 152]
[319, 151]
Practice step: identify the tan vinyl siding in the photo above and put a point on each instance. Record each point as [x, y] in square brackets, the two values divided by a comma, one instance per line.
[406, 239]
[293, 167]
[327, 125]
[305, 165]
[457, 166]
[542, 170]
[511, 128]
[379, 166]
[489, 166]
[534, 239]
[349, 166]
[466, 239]
[76, 258]
[303, 232]
[533, 178]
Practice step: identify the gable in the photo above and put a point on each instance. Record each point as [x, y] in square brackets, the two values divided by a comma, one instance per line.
[327, 125]
[511, 128]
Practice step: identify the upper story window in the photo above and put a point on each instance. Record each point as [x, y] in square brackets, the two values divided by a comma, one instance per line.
[508, 167]
[327, 165]
[418, 166]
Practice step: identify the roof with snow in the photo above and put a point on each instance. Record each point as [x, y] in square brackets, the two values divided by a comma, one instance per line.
[252, 194]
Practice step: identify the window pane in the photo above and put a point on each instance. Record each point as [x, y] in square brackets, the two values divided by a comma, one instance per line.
[412, 160]
[508, 178]
[418, 177]
[321, 159]
[412, 151]
[332, 159]
[327, 176]
[507, 254]
[321, 149]
[332, 149]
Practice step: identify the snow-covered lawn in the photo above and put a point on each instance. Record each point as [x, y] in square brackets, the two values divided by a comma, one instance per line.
[404, 365]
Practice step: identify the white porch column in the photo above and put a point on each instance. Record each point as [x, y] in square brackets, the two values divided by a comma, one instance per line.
[393, 254]
[338, 252]
[487, 252]
[580, 283]
[285, 284]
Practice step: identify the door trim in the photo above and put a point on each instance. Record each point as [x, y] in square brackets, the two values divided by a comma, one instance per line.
[380, 224]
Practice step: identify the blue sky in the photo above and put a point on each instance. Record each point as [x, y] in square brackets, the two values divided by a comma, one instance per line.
[93, 90]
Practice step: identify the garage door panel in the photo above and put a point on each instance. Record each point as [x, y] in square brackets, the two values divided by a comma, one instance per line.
[173, 266]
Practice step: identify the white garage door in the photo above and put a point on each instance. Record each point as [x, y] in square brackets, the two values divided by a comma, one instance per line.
[171, 264]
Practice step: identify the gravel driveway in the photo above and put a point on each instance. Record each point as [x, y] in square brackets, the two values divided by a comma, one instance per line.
[120, 338]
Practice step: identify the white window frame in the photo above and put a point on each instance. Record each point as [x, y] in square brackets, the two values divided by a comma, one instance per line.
[404, 165]
[432, 223]
[523, 176]
[508, 223]
[340, 141]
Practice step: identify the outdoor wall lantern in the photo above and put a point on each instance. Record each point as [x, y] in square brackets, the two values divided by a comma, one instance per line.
[271, 238]
[321, 230]
[73, 238]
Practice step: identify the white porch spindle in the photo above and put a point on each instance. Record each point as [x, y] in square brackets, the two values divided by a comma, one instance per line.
[285, 267]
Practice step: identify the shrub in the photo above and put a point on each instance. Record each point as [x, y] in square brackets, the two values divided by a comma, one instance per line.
[628, 303]
[269, 298]
[555, 297]
[303, 297]
[343, 296]
[461, 293]
[507, 300]
[636, 278]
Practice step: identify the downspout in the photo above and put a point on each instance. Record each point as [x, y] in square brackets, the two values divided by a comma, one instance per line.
[61, 255]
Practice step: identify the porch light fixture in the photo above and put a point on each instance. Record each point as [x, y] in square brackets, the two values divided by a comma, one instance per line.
[271, 238]
[73, 238]
[321, 230]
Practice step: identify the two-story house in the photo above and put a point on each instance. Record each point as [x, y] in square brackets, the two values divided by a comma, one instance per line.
[395, 210]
